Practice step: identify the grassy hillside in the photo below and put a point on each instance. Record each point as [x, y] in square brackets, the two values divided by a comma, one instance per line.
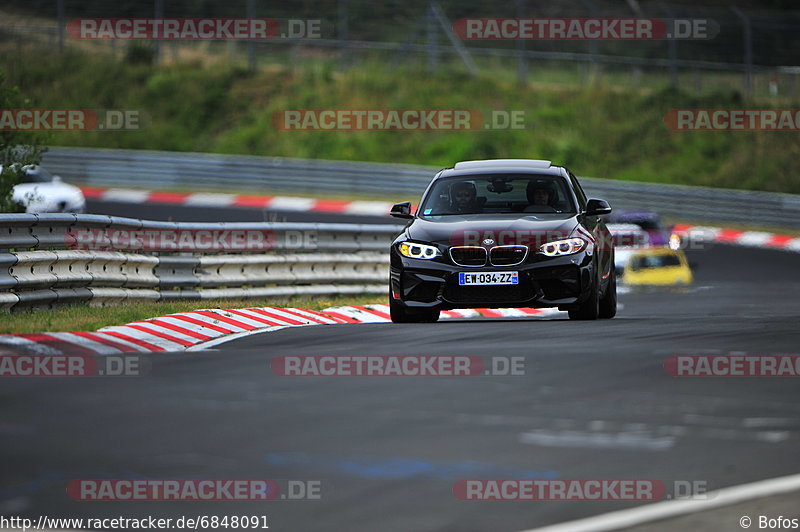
[595, 130]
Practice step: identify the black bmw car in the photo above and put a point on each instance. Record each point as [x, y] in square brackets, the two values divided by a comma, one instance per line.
[503, 233]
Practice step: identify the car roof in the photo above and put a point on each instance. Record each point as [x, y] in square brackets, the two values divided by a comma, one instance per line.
[500, 166]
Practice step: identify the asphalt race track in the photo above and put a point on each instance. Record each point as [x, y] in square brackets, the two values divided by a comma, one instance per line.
[595, 402]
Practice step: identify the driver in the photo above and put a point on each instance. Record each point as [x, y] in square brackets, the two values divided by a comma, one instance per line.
[464, 197]
[540, 193]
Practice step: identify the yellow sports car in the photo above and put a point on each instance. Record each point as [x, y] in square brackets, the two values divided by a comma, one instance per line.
[657, 266]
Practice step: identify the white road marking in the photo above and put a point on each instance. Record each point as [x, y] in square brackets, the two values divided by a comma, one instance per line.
[287, 203]
[376, 208]
[126, 195]
[596, 440]
[199, 199]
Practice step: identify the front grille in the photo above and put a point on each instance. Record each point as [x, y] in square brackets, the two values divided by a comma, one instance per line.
[507, 255]
[468, 255]
[498, 294]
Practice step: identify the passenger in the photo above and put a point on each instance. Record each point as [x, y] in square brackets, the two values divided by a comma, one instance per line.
[540, 194]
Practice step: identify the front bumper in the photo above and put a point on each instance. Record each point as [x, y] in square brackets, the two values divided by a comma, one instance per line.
[543, 282]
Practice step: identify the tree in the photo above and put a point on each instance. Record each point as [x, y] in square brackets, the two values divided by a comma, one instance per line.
[17, 148]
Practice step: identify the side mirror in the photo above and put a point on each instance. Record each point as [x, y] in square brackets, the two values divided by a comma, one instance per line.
[597, 207]
[401, 210]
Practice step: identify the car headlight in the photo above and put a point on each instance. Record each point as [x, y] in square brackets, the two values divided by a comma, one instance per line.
[563, 247]
[413, 250]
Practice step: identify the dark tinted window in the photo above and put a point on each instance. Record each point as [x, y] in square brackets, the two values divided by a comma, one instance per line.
[37, 174]
[498, 193]
[654, 261]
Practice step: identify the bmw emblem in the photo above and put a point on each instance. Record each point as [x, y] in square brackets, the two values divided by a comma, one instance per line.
[488, 242]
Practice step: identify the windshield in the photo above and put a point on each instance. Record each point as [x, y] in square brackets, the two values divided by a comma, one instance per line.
[498, 194]
[655, 261]
[37, 174]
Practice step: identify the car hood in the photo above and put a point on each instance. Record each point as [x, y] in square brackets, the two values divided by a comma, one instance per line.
[503, 229]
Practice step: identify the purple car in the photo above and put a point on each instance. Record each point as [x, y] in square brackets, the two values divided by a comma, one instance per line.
[648, 221]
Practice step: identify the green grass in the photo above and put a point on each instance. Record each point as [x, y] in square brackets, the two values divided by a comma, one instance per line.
[87, 318]
[601, 129]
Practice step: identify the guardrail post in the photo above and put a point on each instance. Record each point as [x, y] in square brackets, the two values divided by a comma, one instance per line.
[456, 43]
[61, 24]
[251, 47]
[594, 66]
[342, 33]
[521, 44]
[159, 14]
[672, 46]
[433, 52]
[747, 46]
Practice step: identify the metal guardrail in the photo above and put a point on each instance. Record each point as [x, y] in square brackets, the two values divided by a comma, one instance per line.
[154, 169]
[688, 203]
[38, 271]
[52, 230]
[161, 170]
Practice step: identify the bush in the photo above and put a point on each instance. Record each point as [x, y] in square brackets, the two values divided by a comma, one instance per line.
[140, 54]
[17, 148]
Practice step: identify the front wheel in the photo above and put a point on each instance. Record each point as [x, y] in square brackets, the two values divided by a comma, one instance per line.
[401, 314]
[589, 309]
[608, 304]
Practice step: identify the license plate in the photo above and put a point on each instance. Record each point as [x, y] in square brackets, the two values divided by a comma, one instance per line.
[487, 278]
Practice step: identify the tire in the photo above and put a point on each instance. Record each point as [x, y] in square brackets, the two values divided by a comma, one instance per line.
[589, 309]
[608, 304]
[400, 314]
